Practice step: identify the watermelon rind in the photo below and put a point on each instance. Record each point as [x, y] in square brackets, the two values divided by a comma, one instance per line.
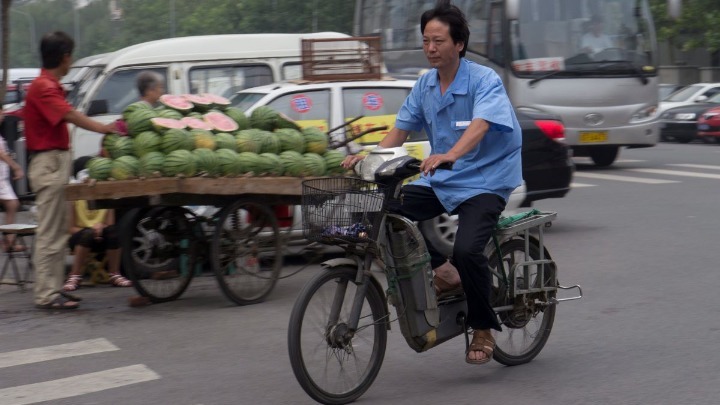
[146, 142]
[270, 165]
[218, 102]
[99, 168]
[179, 162]
[264, 118]
[239, 116]
[161, 124]
[221, 122]
[164, 112]
[203, 139]
[291, 139]
[124, 168]
[225, 141]
[176, 139]
[138, 105]
[314, 164]
[283, 121]
[196, 123]
[250, 162]
[206, 162]
[248, 140]
[269, 142]
[202, 104]
[316, 141]
[333, 161]
[151, 164]
[228, 162]
[293, 163]
[139, 121]
[175, 102]
[123, 146]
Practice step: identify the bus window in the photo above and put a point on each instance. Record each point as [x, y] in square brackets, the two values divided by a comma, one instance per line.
[308, 108]
[120, 89]
[225, 81]
[291, 71]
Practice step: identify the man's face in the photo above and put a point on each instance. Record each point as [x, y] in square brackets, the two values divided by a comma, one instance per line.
[438, 45]
[153, 94]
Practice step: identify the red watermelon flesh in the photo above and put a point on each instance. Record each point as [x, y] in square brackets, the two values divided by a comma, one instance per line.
[196, 123]
[199, 101]
[219, 101]
[178, 103]
[221, 122]
[162, 124]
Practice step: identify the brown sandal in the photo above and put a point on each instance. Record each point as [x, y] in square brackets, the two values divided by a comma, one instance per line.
[482, 341]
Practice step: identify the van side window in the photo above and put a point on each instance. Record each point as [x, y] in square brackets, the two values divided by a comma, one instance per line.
[378, 106]
[225, 81]
[308, 108]
[120, 88]
[291, 71]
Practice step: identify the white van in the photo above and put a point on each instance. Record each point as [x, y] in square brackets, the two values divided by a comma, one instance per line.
[103, 85]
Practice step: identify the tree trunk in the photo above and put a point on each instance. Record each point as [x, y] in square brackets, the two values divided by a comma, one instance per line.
[5, 56]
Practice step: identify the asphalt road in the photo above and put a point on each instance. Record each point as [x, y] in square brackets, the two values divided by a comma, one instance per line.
[639, 237]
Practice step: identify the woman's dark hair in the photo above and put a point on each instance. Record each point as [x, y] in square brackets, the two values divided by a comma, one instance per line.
[451, 15]
[53, 47]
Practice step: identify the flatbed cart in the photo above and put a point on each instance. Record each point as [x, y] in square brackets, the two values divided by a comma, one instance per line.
[164, 244]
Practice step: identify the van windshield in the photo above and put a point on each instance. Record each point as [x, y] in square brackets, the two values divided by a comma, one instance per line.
[120, 88]
[244, 101]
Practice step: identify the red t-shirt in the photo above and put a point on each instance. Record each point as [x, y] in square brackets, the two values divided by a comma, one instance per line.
[45, 107]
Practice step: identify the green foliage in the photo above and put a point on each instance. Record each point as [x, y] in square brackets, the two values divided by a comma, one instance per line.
[147, 20]
[697, 27]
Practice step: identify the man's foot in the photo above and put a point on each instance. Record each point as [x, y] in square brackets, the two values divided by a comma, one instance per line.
[481, 347]
[72, 283]
[59, 303]
[447, 279]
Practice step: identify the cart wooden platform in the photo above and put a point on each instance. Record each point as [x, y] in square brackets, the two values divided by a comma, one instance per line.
[165, 244]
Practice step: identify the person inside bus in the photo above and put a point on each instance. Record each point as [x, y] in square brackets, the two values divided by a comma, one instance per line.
[595, 40]
[466, 112]
[151, 86]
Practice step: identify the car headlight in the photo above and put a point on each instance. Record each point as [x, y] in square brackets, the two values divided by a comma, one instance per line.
[685, 116]
[644, 114]
[710, 116]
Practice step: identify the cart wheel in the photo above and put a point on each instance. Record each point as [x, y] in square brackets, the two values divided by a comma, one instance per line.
[160, 255]
[245, 253]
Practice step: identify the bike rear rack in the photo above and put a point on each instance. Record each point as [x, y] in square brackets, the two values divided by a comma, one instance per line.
[522, 225]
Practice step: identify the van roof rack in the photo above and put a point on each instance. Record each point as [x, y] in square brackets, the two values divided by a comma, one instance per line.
[351, 58]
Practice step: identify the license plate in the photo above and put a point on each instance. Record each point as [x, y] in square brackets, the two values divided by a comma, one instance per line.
[703, 127]
[593, 136]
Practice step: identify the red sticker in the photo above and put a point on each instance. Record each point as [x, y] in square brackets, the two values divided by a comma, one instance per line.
[301, 103]
[372, 101]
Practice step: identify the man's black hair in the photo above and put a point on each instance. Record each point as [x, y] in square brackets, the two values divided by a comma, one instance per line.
[451, 15]
[53, 47]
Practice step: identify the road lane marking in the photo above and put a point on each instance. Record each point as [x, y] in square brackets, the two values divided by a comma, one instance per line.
[694, 166]
[76, 385]
[46, 353]
[621, 178]
[678, 173]
[580, 185]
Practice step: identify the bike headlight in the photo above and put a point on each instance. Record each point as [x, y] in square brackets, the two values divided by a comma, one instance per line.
[644, 114]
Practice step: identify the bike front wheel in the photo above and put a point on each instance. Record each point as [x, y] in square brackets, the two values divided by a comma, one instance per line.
[333, 364]
[526, 327]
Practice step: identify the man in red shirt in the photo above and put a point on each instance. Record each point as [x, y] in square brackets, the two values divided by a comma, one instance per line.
[46, 116]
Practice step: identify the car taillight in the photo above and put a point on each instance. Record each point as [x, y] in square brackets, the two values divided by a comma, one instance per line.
[554, 130]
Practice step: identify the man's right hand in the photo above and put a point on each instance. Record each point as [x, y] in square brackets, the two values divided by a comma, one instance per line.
[351, 160]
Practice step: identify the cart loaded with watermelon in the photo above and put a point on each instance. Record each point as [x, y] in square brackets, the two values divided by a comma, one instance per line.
[197, 150]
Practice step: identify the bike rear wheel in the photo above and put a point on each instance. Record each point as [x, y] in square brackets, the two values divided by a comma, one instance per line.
[526, 328]
[332, 364]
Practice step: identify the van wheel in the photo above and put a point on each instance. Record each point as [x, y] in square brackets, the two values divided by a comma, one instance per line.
[604, 156]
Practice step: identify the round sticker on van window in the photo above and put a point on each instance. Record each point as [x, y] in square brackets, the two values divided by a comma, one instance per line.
[301, 103]
[372, 101]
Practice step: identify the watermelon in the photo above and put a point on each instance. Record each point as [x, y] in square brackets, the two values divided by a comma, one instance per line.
[314, 164]
[228, 162]
[138, 105]
[269, 142]
[151, 164]
[239, 116]
[206, 161]
[169, 113]
[123, 146]
[333, 159]
[264, 118]
[225, 141]
[106, 143]
[291, 139]
[201, 103]
[195, 115]
[270, 164]
[316, 141]
[221, 122]
[99, 168]
[248, 140]
[218, 102]
[283, 121]
[249, 162]
[178, 103]
[163, 124]
[293, 163]
[146, 142]
[124, 167]
[196, 123]
[139, 121]
[203, 139]
[175, 139]
[179, 161]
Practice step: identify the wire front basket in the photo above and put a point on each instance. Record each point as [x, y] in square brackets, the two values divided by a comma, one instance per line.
[338, 210]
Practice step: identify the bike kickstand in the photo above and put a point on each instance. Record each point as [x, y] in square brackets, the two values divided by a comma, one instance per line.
[461, 320]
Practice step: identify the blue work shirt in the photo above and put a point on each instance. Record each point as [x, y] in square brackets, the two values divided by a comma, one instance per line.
[494, 165]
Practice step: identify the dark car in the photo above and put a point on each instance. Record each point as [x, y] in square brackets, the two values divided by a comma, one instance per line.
[680, 123]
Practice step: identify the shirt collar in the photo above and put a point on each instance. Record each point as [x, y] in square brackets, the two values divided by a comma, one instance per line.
[459, 84]
[46, 74]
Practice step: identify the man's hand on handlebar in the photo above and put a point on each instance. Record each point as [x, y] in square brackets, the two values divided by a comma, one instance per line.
[434, 162]
[351, 160]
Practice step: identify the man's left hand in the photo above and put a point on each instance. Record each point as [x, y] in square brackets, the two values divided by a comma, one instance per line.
[429, 165]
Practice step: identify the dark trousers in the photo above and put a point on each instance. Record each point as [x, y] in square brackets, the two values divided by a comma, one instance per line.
[477, 217]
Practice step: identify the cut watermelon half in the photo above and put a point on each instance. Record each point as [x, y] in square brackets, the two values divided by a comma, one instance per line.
[201, 103]
[163, 124]
[218, 101]
[221, 122]
[196, 123]
[178, 103]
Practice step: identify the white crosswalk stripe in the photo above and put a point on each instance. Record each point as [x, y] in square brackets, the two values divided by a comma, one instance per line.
[678, 173]
[629, 179]
[694, 166]
[69, 386]
[580, 185]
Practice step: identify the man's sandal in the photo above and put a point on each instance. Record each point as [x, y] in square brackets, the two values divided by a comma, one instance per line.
[481, 342]
[61, 302]
[116, 280]
[72, 283]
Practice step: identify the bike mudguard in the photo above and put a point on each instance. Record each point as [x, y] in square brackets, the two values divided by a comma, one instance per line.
[345, 261]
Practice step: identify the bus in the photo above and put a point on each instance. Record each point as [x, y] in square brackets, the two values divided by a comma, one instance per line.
[606, 96]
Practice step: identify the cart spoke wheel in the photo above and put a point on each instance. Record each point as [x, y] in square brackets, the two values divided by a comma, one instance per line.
[246, 254]
[161, 251]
